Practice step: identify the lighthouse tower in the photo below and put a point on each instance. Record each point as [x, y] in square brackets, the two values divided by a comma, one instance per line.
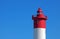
[39, 25]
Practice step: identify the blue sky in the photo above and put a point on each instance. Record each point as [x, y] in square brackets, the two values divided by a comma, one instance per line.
[16, 18]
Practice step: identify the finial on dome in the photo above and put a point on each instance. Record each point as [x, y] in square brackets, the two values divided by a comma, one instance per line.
[39, 10]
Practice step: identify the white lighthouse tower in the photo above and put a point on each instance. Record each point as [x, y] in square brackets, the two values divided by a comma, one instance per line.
[39, 25]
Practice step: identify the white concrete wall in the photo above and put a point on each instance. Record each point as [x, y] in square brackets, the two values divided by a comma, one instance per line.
[39, 33]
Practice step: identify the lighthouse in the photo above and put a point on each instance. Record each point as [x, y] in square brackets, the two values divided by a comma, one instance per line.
[39, 25]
